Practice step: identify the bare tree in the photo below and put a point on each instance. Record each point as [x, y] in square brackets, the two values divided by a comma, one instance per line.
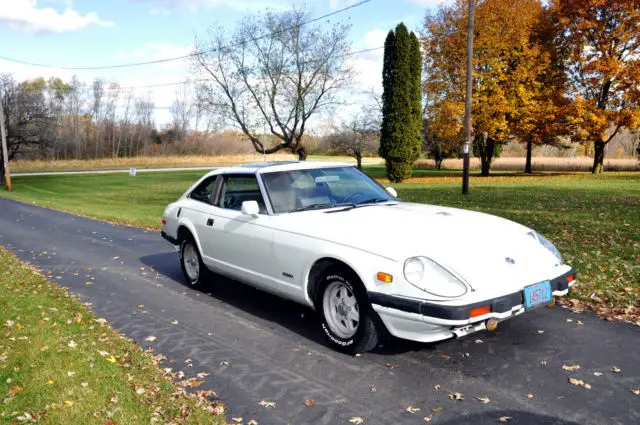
[97, 93]
[274, 71]
[358, 136]
[75, 104]
[182, 111]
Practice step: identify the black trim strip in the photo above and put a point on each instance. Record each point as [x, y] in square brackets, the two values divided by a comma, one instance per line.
[171, 240]
[498, 305]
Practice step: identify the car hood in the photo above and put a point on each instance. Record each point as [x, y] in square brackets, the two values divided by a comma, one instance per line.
[481, 248]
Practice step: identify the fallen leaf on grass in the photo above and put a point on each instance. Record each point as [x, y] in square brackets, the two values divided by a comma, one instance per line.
[150, 338]
[356, 420]
[615, 369]
[72, 344]
[574, 367]
[267, 404]
[484, 400]
[103, 353]
[140, 391]
[68, 403]
[412, 409]
[111, 359]
[109, 422]
[15, 390]
[70, 373]
[456, 396]
[505, 418]
[309, 403]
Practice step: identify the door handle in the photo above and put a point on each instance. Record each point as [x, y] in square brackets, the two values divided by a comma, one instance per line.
[209, 222]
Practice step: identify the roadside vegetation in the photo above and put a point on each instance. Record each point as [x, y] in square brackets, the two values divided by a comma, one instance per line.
[594, 221]
[60, 364]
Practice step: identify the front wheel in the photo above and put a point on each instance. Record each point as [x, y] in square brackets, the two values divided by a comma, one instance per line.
[346, 317]
[194, 270]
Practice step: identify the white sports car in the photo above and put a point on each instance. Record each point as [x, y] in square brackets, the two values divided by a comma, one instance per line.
[328, 236]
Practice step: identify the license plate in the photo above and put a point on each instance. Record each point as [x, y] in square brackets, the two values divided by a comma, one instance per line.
[537, 294]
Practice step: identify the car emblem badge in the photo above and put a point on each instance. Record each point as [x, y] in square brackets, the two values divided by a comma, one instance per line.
[510, 260]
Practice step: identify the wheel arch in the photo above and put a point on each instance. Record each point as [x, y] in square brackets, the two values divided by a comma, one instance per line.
[316, 270]
[186, 229]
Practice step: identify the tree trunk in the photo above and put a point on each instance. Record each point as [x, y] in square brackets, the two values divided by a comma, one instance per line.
[527, 165]
[598, 157]
[439, 163]
[302, 154]
[359, 160]
[2, 180]
[487, 156]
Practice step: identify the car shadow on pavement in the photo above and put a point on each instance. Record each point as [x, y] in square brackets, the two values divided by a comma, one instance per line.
[295, 317]
[509, 416]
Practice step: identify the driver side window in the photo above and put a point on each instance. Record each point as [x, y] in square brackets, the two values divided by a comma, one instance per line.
[237, 188]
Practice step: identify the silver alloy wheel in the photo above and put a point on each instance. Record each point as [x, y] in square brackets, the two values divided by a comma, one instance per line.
[341, 309]
[191, 261]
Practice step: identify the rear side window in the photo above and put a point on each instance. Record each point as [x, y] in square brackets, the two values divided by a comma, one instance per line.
[203, 192]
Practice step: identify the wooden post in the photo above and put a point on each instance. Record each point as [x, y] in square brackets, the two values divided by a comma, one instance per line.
[5, 154]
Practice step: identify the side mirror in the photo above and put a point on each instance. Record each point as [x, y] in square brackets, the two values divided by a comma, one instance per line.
[391, 191]
[250, 208]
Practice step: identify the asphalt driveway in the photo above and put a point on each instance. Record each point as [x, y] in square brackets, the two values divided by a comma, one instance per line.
[259, 347]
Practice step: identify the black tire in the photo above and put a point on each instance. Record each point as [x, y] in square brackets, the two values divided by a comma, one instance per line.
[367, 333]
[195, 281]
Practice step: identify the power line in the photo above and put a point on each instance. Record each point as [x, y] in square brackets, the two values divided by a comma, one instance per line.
[177, 83]
[125, 65]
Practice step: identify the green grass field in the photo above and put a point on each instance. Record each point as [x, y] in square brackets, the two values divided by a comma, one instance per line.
[60, 364]
[594, 221]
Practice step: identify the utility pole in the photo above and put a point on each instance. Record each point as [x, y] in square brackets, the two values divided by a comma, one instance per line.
[467, 103]
[5, 155]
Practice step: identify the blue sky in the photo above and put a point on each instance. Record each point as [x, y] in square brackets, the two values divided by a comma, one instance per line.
[93, 33]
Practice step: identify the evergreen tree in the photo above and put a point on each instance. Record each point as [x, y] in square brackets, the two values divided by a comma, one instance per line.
[401, 107]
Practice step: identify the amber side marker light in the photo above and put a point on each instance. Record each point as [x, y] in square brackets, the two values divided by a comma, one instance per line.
[164, 221]
[385, 277]
[571, 278]
[480, 311]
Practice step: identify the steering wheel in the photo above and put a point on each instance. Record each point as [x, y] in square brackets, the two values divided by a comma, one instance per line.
[352, 194]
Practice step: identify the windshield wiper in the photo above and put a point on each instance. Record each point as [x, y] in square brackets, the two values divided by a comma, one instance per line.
[373, 201]
[314, 207]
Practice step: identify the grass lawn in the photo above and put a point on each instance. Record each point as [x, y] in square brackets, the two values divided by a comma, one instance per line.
[60, 364]
[594, 221]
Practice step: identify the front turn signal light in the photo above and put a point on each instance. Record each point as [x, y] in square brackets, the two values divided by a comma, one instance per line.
[385, 277]
[480, 311]
[571, 278]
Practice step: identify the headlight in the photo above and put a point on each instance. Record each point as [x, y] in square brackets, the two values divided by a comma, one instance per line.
[429, 276]
[547, 244]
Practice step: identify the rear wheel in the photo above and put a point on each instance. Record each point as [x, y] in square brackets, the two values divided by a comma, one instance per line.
[194, 270]
[346, 317]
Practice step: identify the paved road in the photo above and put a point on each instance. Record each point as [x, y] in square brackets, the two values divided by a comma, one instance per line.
[119, 170]
[274, 351]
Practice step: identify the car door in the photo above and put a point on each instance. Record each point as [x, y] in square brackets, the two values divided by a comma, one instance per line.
[242, 245]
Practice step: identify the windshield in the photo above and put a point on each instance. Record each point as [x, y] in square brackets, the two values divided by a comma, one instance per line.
[318, 188]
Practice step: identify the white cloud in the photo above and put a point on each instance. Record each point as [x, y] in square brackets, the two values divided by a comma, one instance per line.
[165, 6]
[25, 15]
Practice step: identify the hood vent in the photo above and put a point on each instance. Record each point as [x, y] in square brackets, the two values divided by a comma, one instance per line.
[443, 213]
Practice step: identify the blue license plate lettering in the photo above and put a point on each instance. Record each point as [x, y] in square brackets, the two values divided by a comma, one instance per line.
[537, 294]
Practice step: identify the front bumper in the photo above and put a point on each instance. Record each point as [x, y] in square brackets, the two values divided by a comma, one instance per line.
[427, 321]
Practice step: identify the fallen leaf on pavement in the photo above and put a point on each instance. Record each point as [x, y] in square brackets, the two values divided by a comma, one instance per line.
[309, 403]
[437, 409]
[437, 387]
[574, 367]
[412, 409]
[356, 420]
[238, 420]
[267, 403]
[484, 400]
[202, 375]
[174, 322]
[427, 418]
[252, 422]
[150, 338]
[540, 331]
[580, 322]
[529, 395]
[373, 389]
[357, 355]
[224, 363]
[478, 341]
[575, 381]
[389, 365]
[597, 373]
[636, 392]
[140, 305]
[456, 396]
[505, 418]
[615, 369]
